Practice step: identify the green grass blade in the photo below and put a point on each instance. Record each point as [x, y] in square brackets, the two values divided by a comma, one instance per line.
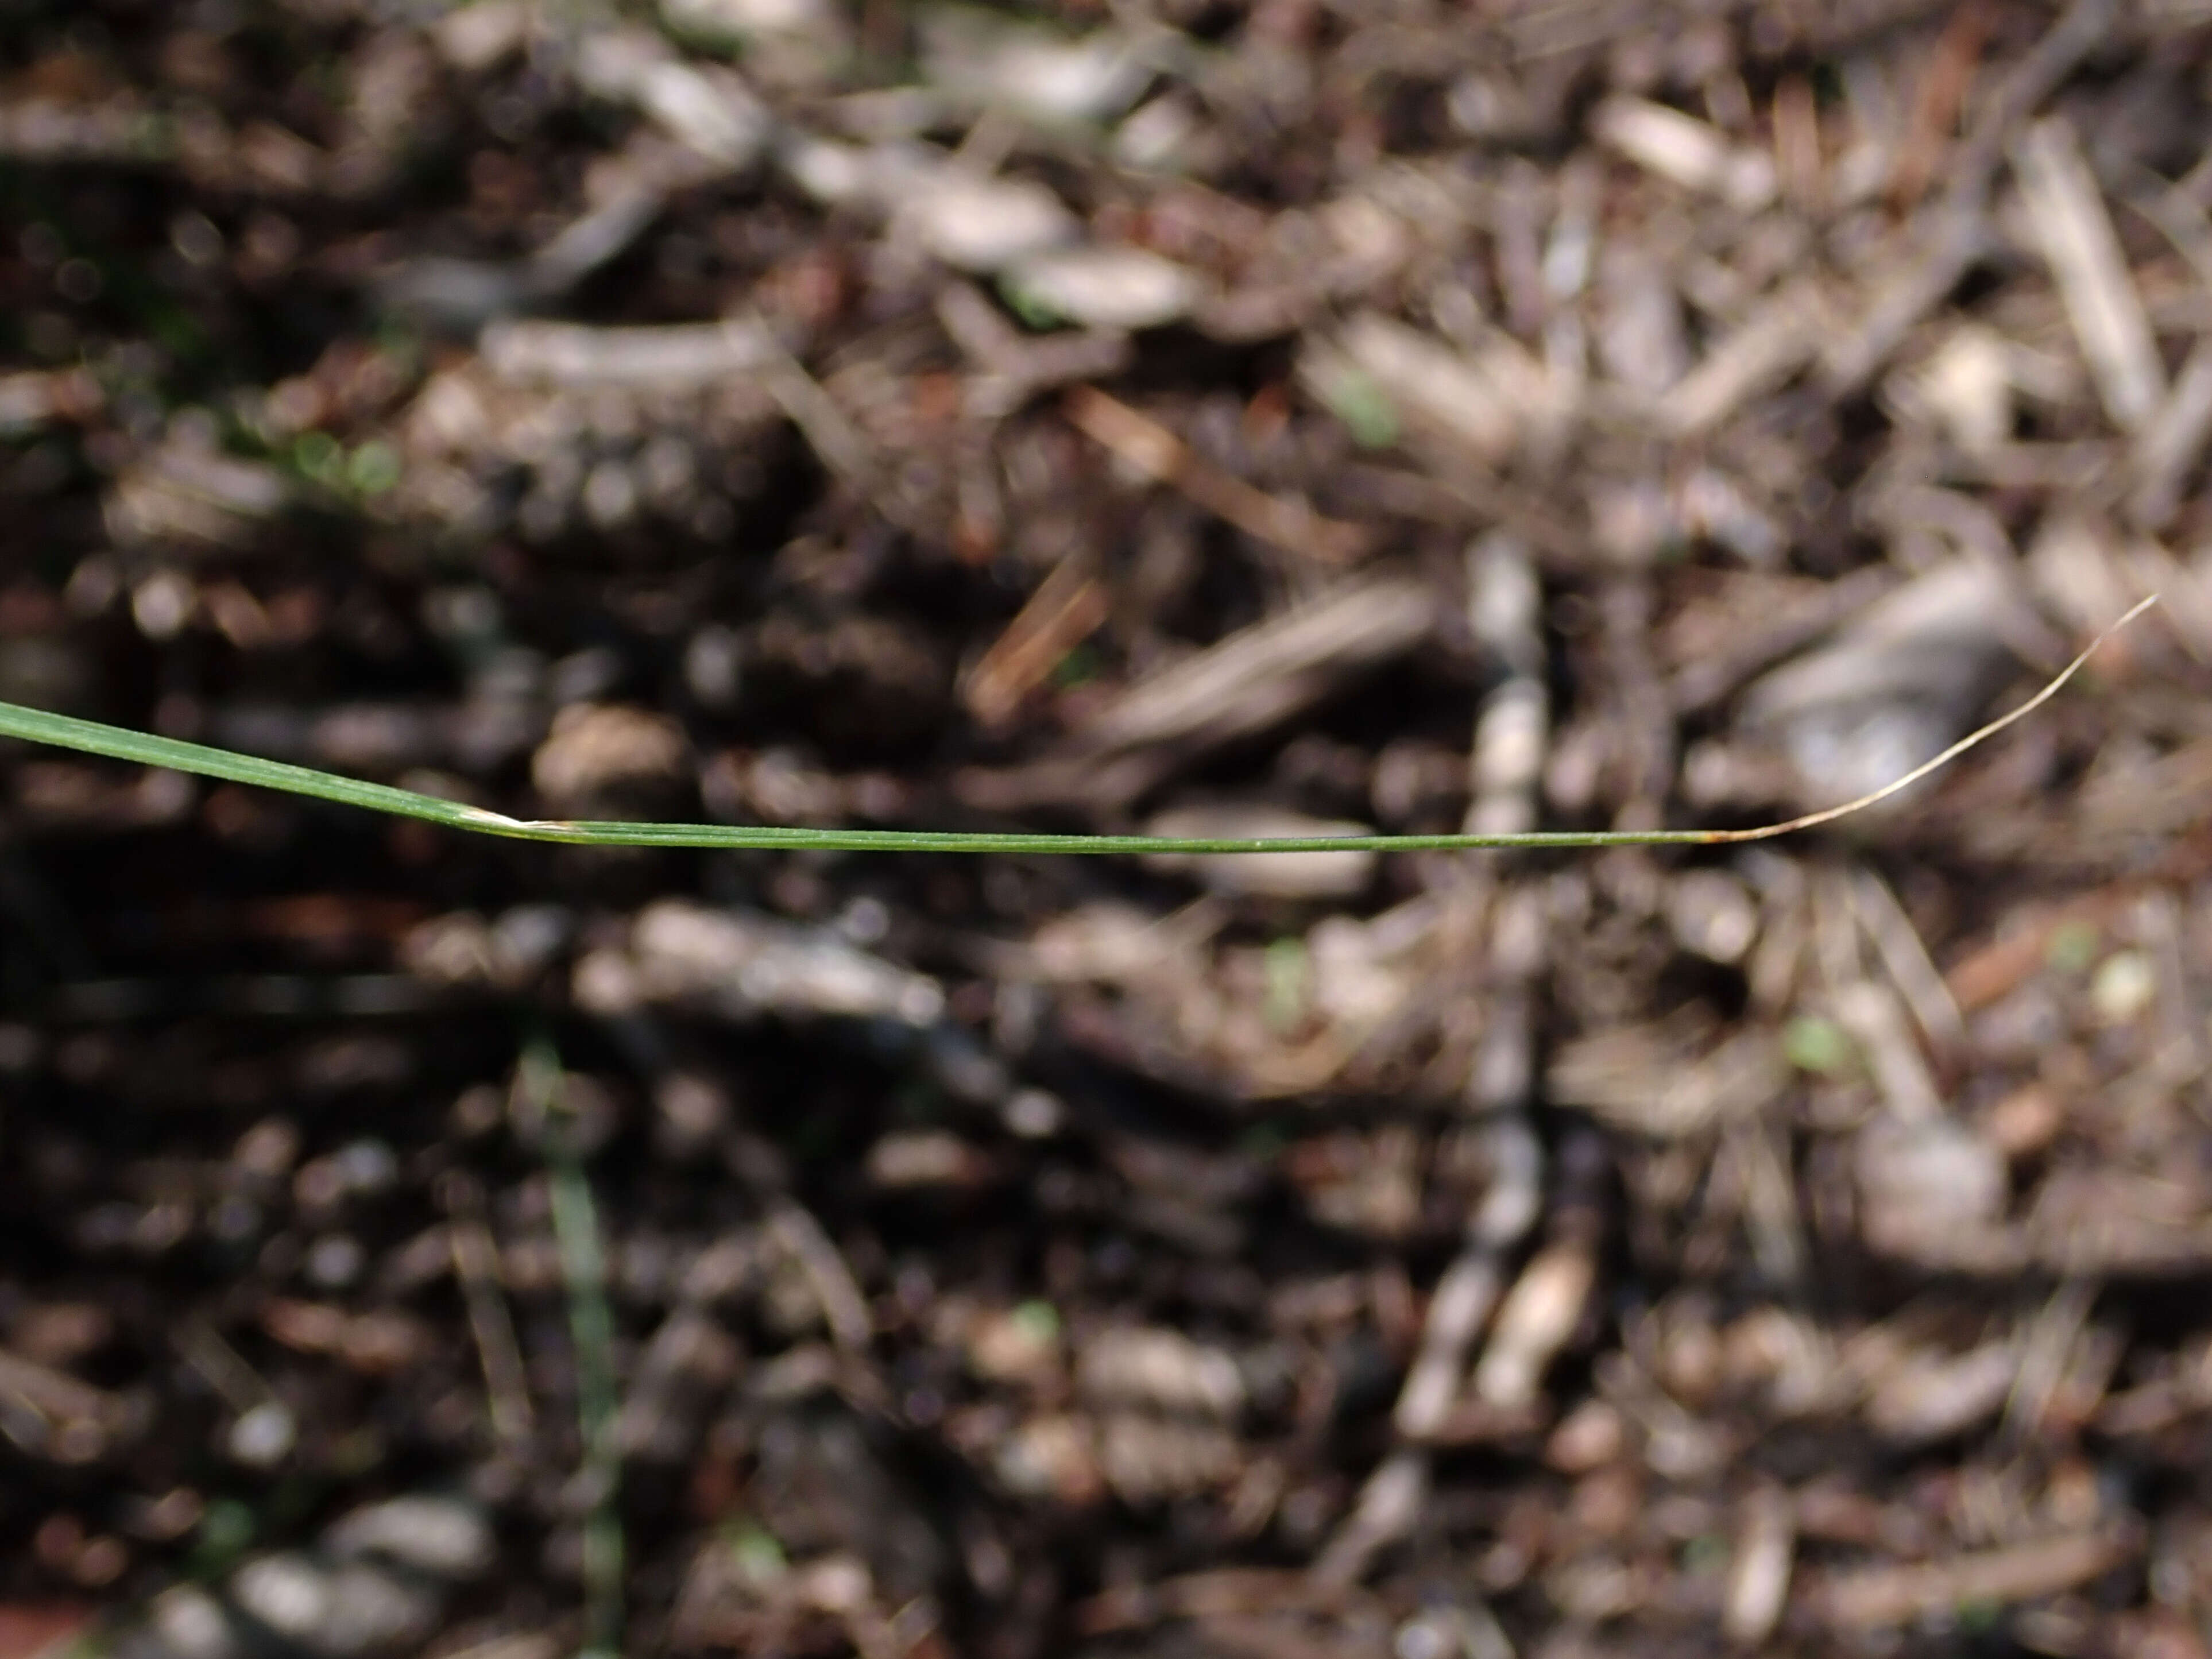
[577, 1236]
[119, 742]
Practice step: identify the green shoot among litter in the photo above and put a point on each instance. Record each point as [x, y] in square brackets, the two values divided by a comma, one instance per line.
[118, 743]
[591, 1322]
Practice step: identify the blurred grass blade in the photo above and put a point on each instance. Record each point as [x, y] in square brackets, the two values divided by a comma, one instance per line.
[538, 1083]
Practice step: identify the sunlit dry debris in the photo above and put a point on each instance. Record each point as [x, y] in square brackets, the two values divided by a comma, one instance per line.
[742, 963]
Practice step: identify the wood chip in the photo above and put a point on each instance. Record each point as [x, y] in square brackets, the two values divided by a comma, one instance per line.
[1777, 339]
[1537, 1316]
[2067, 213]
[1068, 606]
[1263, 674]
[1288, 523]
[1942, 94]
[678, 356]
[1691, 153]
[1882, 1598]
[1759, 1573]
[2172, 442]
[1484, 402]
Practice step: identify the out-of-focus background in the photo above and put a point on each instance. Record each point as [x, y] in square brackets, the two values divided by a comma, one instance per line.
[1174, 414]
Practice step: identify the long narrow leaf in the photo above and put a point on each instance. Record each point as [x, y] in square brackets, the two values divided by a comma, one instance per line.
[119, 742]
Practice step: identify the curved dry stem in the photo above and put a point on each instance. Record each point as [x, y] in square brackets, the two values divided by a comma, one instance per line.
[1980, 734]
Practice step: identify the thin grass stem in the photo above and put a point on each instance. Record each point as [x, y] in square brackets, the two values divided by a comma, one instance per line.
[119, 742]
[591, 1326]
